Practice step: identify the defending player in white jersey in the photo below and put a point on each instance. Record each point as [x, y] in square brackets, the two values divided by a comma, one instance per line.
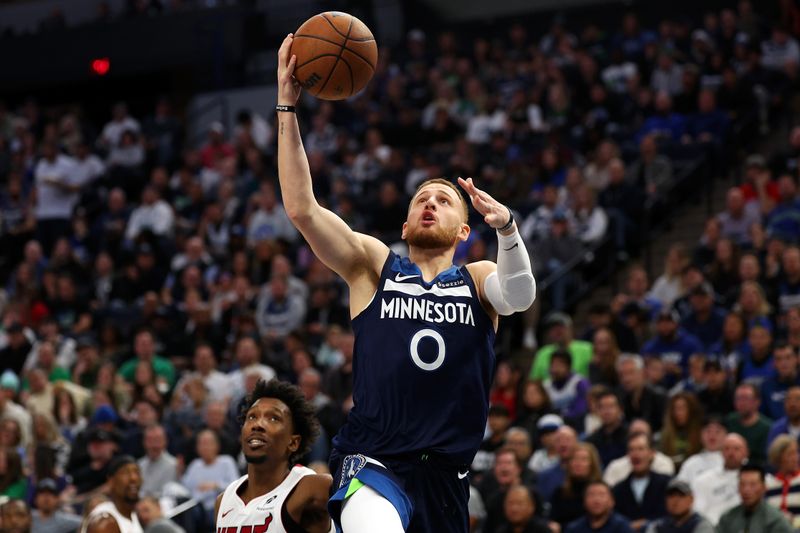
[278, 427]
[117, 515]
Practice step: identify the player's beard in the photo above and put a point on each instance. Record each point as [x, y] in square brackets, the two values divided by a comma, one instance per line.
[432, 238]
[255, 459]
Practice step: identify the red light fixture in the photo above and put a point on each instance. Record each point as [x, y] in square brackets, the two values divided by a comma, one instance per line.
[101, 66]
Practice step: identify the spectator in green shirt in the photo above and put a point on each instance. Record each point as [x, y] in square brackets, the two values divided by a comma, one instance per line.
[13, 483]
[46, 361]
[748, 422]
[144, 346]
[560, 335]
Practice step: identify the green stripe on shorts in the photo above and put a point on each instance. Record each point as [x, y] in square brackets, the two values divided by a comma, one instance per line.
[352, 487]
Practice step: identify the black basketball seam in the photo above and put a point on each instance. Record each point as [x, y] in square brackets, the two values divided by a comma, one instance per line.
[361, 40]
[357, 54]
[338, 58]
[352, 80]
[314, 59]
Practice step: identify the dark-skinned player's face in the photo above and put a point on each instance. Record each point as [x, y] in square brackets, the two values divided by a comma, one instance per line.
[126, 482]
[435, 218]
[268, 432]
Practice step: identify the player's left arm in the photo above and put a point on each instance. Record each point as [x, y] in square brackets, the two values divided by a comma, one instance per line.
[308, 504]
[509, 285]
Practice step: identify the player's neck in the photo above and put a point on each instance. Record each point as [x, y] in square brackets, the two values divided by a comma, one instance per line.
[124, 508]
[263, 478]
[431, 262]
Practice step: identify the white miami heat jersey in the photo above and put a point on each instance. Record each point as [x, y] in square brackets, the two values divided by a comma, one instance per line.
[125, 525]
[262, 514]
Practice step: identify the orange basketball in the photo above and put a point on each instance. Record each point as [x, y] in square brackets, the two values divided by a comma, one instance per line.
[336, 55]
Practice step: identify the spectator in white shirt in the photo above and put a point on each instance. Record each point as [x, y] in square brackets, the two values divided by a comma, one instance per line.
[120, 122]
[781, 52]
[253, 127]
[158, 466]
[279, 312]
[154, 215]
[56, 195]
[248, 357]
[88, 167]
[717, 490]
[712, 436]
[269, 221]
[205, 368]
[210, 473]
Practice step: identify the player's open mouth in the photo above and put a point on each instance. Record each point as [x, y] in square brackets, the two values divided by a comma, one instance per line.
[256, 443]
[428, 218]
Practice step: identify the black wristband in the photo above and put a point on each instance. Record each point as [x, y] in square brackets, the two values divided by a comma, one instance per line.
[284, 108]
[510, 221]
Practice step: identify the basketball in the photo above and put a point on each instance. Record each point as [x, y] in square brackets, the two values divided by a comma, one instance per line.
[336, 55]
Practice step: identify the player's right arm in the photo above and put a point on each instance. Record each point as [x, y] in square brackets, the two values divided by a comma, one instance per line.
[354, 256]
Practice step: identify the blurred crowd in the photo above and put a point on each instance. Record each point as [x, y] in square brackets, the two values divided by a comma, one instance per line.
[148, 284]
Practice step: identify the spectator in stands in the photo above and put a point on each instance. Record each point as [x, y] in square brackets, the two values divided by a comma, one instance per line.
[10, 410]
[47, 516]
[534, 404]
[497, 423]
[268, 221]
[591, 221]
[776, 385]
[505, 474]
[609, 439]
[710, 457]
[680, 437]
[639, 398]
[757, 362]
[554, 254]
[144, 349]
[680, 516]
[216, 148]
[600, 515]
[536, 226]
[15, 516]
[583, 468]
[716, 490]
[705, 321]
[566, 389]
[204, 363]
[148, 510]
[154, 215]
[619, 469]
[278, 312]
[120, 122]
[13, 483]
[668, 287]
[783, 220]
[736, 221]
[103, 446]
[753, 514]
[519, 507]
[547, 455]
[550, 479]
[748, 422]
[210, 473]
[781, 52]
[672, 345]
[560, 335]
[789, 281]
[56, 195]
[789, 424]
[782, 487]
[248, 357]
[158, 466]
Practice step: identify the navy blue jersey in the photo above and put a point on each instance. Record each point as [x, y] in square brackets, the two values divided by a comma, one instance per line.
[422, 367]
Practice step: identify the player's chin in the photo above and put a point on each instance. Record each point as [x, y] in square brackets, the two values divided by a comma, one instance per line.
[255, 458]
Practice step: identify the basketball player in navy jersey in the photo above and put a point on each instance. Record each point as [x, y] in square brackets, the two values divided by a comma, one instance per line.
[424, 334]
[278, 427]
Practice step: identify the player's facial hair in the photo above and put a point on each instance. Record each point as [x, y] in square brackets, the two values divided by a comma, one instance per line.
[433, 238]
[255, 459]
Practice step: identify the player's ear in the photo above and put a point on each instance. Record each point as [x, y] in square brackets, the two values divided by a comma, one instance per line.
[403, 234]
[463, 232]
[294, 443]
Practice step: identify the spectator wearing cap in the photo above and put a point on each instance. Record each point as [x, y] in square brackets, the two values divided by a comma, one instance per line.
[47, 518]
[583, 468]
[753, 513]
[783, 487]
[16, 352]
[158, 466]
[124, 481]
[640, 497]
[9, 388]
[680, 515]
[672, 345]
[599, 505]
[103, 446]
[153, 215]
[560, 335]
[551, 478]
[715, 490]
[554, 252]
[619, 469]
[547, 455]
[639, 398]
[748, 422]
[710, 457]
[609, 439]
[566, 389]
[784, 377]
[144, 349]
[789, 423]
[705, 320]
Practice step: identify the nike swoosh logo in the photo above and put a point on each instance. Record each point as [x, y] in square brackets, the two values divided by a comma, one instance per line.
[226, 513]
[462, 476]
[509, 249]
[401, 277]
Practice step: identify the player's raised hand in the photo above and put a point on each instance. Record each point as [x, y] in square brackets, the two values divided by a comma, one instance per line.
[288, 86]
[494, 213]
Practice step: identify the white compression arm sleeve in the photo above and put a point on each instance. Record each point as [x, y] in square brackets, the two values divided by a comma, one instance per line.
[512, 288]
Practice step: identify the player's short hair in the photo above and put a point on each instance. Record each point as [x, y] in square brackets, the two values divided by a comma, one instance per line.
[304, 419]
[442, 181]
